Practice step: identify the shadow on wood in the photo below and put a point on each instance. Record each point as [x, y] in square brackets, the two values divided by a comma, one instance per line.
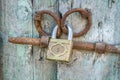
[1, 44]
[1, 63]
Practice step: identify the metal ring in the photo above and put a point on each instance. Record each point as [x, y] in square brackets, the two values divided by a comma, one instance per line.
[38, 19]
[85, 14]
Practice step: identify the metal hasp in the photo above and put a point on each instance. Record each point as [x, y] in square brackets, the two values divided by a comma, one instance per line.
[76, 44]
[44, 40]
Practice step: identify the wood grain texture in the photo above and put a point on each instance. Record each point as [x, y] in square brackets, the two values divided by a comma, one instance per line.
[105, 28]
[21, 62]
[43, 69]
[1, 43]
[16, 21]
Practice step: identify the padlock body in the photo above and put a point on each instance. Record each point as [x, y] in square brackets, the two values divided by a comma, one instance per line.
[60, 50]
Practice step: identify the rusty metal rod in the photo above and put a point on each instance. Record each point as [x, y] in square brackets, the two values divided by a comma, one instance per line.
[92, 47]
[21, 40]
[76, 44]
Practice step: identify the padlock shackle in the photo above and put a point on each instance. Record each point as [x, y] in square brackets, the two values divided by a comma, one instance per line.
[54, 32]
[70, 35]
[70, 31]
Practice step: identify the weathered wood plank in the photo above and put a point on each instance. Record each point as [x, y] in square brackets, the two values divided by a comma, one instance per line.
[16, 21]
[43, 69]
[105, 28]
[1, 44]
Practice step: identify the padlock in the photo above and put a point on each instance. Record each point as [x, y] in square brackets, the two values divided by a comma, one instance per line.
[60, 49]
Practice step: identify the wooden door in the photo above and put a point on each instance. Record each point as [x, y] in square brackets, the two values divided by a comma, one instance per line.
[21, 62]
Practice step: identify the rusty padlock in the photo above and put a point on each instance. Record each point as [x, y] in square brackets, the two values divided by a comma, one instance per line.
[60, 49]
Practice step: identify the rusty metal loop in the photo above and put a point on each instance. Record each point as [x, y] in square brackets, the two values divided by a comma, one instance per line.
[38, 19]
[84, 13]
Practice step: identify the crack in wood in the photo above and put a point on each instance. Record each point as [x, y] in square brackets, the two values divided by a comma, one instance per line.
[110, 3]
